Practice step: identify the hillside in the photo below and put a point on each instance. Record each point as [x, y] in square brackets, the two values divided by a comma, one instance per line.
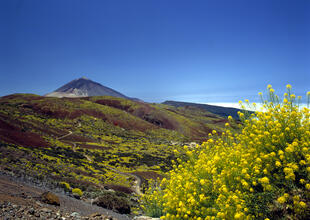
[95, 143]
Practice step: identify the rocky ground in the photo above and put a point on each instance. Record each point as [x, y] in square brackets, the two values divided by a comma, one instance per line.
[22, 201]
[10, 210]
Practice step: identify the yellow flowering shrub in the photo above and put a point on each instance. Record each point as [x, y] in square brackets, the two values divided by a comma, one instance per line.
[153, 201]
[261, 171]
[77, 191]
[66, 186]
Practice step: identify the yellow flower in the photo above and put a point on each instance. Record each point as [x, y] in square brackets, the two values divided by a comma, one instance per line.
[286, 195]
[288, 86]
[281, 199]
[302, 204]
[238, 215]
[278, 163]
[289, 149]
[264, 180]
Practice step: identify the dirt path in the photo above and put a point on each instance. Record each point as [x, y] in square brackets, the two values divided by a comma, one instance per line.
[66, 135]
[137, 184]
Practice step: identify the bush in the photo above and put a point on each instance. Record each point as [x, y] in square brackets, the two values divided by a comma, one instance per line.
[261, 171]
[152, 202]
[66, 186]
[113, 202]
[77, 191]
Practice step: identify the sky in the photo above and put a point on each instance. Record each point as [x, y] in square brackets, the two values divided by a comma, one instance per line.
[206, 51]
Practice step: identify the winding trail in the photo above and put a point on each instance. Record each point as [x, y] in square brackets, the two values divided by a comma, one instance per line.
[137, 184]
[66, 135]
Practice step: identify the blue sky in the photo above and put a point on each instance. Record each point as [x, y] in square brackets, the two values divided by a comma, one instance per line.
[199, 51]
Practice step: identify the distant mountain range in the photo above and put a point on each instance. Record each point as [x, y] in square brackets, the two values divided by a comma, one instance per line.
[222, 111]
[84, 87]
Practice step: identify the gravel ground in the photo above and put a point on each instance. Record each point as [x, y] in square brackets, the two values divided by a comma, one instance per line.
[18, 197]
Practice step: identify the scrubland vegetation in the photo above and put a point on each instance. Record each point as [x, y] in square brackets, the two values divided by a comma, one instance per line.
[261, 171]
[86, 146]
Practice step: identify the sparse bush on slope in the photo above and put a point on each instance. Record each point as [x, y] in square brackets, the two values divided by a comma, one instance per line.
[261, 172]
[114, 202]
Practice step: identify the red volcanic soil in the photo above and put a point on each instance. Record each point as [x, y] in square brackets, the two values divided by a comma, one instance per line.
[14, 135]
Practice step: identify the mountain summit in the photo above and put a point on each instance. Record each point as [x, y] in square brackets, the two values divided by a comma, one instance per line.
[84, 87]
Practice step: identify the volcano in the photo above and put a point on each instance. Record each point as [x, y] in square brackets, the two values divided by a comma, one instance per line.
[84, 87]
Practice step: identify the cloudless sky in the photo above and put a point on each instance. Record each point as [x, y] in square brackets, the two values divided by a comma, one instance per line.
[195, 50]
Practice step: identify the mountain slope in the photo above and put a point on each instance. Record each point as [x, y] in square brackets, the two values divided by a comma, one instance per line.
[96, 143]
[193, 123]
[84, 87]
